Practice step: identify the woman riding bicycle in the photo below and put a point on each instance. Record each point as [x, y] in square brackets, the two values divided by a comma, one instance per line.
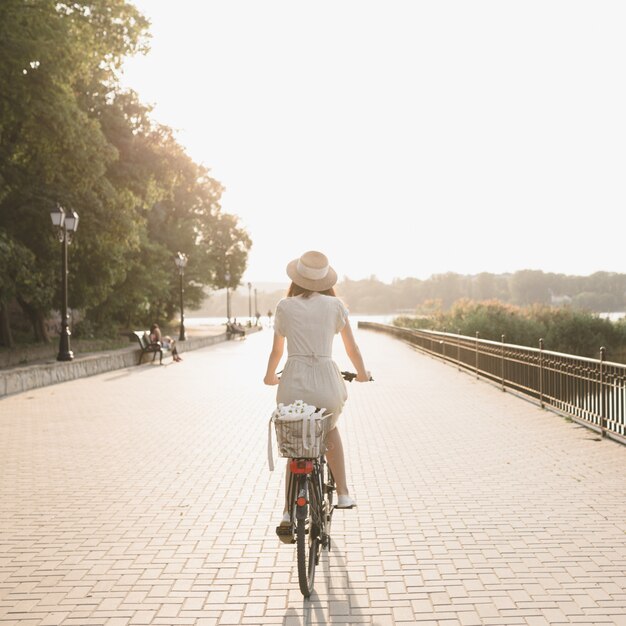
[309, 317]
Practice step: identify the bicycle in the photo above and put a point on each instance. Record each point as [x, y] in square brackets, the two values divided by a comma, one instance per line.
[310, 491]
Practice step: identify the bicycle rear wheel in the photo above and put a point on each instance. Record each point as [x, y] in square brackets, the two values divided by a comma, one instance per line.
[307, 537]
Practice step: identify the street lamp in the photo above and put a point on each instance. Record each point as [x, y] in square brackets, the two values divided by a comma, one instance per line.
[66, 223]
[181, 261]
[256, 308]
[250, 303]
[227, 279]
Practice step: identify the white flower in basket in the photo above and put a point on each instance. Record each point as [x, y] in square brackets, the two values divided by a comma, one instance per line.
[301, 430]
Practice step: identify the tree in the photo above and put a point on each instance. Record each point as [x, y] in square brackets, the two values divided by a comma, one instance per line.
[70, 135]
[529, 287]
[176, 207]
[52, 148]
[486, 286]
[20, 276]
[225, 249]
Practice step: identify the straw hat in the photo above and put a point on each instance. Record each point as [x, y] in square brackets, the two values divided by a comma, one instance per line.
[312, 271]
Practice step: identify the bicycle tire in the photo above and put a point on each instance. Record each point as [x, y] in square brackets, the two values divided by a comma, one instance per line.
[306, 543]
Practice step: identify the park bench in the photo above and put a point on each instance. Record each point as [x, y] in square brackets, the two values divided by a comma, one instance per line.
[235, 330]
[147, 346]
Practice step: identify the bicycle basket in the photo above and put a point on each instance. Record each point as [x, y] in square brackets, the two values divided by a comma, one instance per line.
[302, 436]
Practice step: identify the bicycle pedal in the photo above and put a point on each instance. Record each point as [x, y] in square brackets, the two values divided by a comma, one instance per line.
[285, 534]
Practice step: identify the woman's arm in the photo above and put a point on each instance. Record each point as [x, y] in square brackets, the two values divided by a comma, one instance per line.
[354, 354]
[276, 355]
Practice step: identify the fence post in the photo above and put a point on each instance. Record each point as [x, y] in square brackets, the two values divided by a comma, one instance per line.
[503, 388]
[458, 348]
[541, 373]
[602, 394]
[476, 359]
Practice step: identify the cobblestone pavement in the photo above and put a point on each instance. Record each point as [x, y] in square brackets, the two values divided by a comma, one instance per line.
[142, 496]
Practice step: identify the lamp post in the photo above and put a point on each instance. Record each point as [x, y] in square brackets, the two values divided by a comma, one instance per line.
[227, 279]
[250, 303]
[181, 261]
[256, 308]
[66, 224]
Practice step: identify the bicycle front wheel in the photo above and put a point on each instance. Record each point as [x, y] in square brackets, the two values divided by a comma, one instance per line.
[307, 539]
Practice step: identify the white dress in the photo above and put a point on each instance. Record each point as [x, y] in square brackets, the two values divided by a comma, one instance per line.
[310, 374]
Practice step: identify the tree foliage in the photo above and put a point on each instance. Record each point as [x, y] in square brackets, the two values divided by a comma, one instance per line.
[70, 135]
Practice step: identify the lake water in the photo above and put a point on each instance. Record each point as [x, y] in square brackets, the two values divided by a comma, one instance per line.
[613, 316]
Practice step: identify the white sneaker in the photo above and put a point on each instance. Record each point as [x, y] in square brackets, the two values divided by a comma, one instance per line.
[345, 502]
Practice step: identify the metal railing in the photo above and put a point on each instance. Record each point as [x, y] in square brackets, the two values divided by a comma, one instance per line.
[591, 391]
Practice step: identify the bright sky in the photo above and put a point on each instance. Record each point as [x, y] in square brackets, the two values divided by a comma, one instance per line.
[403, 138]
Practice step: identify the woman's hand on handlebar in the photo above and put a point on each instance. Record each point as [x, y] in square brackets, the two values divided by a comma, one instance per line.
[350, 376]
[364, 377]
[271, 379]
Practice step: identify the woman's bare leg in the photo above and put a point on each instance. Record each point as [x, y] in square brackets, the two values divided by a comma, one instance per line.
[334, 456]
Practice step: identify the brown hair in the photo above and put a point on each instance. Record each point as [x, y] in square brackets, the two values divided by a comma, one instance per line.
[296, 290]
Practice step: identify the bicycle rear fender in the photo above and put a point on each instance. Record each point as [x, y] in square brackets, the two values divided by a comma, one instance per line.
[302, 494]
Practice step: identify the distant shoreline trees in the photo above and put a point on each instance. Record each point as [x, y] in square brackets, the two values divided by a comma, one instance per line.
[600, 293]
[69, 134]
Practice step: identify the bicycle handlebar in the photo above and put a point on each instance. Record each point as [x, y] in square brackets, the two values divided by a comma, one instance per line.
[350, 376]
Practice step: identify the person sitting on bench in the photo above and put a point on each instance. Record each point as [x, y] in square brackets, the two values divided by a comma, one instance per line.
[166, 342]
[235, 328]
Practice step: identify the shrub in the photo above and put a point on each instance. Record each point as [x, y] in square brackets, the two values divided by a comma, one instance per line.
[563, 330]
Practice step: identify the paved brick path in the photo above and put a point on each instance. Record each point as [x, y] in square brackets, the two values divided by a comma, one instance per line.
[142, 496]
